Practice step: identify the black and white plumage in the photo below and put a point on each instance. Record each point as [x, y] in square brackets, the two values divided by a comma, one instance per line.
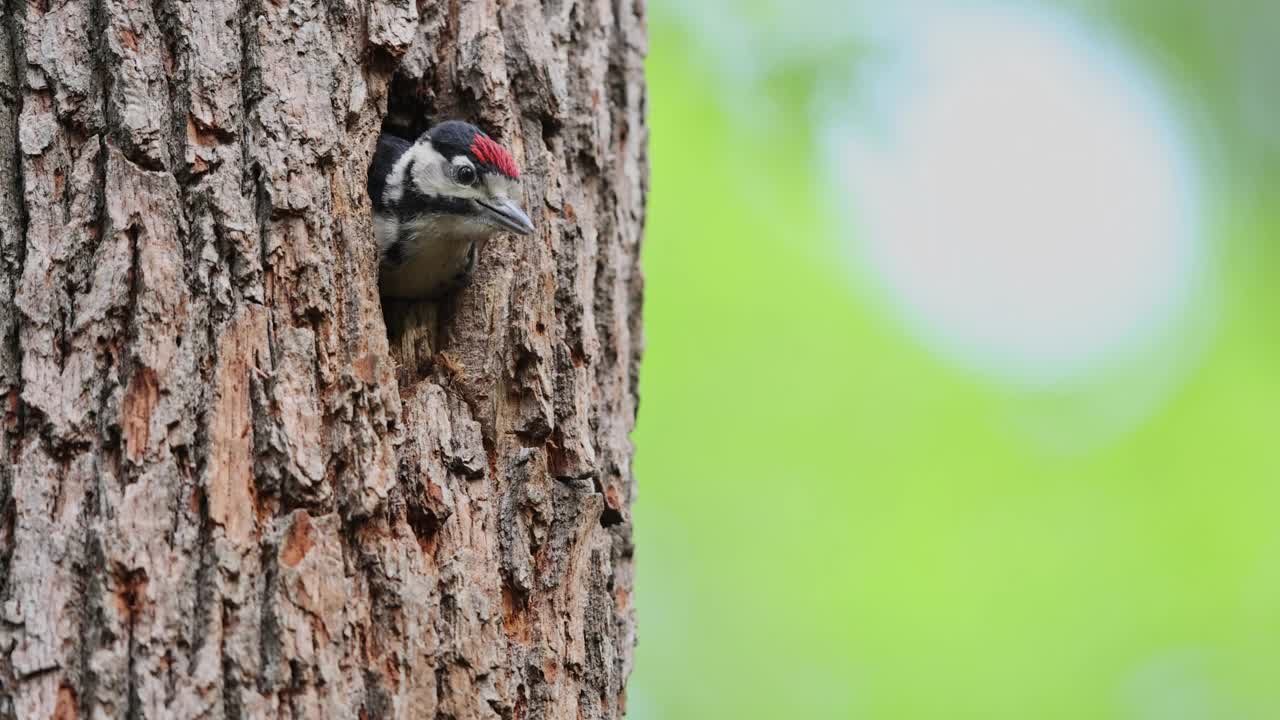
[434, 200]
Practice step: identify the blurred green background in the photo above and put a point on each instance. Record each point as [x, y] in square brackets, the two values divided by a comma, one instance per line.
[849, 508]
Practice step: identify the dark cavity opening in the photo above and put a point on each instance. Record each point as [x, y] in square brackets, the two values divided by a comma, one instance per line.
[415, 327]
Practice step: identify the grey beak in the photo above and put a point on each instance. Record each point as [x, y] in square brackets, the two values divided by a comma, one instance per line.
[507, 215]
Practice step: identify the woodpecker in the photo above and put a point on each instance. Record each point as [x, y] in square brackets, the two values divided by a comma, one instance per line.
[434, 201]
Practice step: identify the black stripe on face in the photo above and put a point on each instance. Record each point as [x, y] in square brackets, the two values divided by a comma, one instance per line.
[394, 254]
[416, 204]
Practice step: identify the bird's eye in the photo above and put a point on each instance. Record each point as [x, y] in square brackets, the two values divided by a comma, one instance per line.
[465, 175]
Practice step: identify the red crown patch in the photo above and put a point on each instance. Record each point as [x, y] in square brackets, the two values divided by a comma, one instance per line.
[490, 152]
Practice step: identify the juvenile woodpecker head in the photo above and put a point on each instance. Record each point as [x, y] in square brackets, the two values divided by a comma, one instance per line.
[434, 199]
[455, 169]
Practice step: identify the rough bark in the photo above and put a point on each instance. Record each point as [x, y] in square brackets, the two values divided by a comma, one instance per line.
[224, 492]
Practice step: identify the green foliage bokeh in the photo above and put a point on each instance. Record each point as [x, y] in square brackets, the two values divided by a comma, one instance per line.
[834, 522]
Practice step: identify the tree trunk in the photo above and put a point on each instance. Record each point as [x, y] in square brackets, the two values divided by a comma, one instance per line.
[224, 491]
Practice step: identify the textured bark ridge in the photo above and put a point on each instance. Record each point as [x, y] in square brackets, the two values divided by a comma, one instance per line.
[223, 491]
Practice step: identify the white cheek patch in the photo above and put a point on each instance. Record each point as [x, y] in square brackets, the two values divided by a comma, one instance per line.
[395, 180]
[429, 176]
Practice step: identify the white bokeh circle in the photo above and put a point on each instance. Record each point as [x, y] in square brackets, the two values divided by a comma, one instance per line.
[1021, 189]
